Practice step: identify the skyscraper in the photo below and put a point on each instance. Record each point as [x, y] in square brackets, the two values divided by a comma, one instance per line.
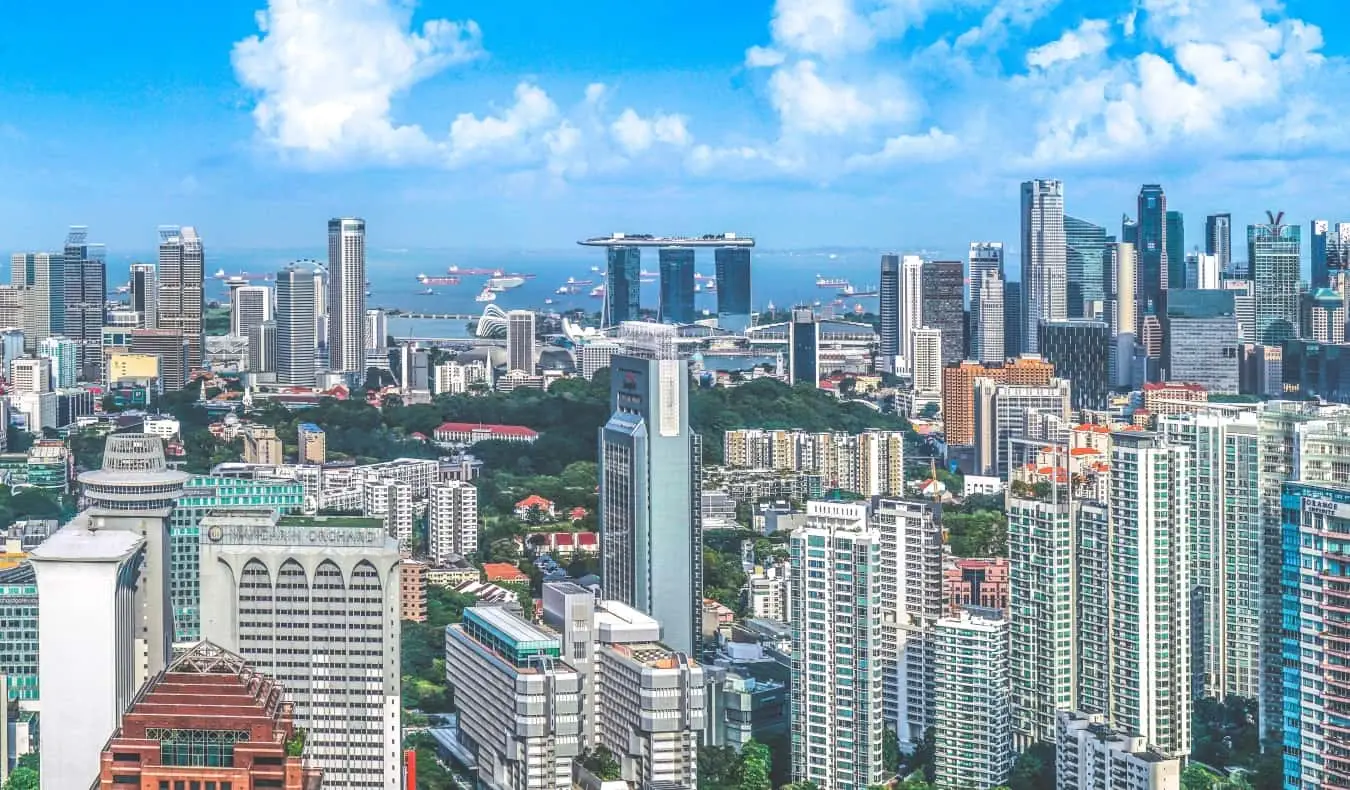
[1013, 324]
[971, 687]
[837, 701]
[1176, 251]
[984, 257]
[452, 520]
[1273, 252]
[1080, 351]
[520, 340]
[182, 265]
[1085, 269]
[295, 341]
[650, 530]
[677, 285]
[732, 268]
[250, 306]
[804, 348]
[64, 356]
[944, 305]
[1219, 239]
[1330, 251]
[145, 294]
[623, 285]
[911, 305]
[346, 295]
[44, 301]
[1200, 340]
[888, 308]
[988, 342]
[262, 348]
[1125, 313]
[1152, 247]
[86, 292]
[1044, 258]
[926, 370]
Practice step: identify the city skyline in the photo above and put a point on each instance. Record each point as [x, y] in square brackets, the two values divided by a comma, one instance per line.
[771, 121]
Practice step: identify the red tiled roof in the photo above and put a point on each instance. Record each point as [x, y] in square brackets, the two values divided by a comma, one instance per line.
[503, 572]
[500, 430]
[587, 539]
[533, 500]
[562, 539]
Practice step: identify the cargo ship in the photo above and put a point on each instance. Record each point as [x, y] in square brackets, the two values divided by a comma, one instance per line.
[425, 280]
[831, 282]
[486, 296]
[504, 283]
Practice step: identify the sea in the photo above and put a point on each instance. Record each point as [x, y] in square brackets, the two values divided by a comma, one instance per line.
[779, 279]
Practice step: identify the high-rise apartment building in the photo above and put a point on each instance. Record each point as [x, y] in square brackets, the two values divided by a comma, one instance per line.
[1044, 258]
[987, 341]
[1089, 755]
[520, 340]
[392, 500]
[43, 275]
[1273, 252]
[677, 285]
[888, 309]
[182, 266]
[1085, 269]
[262, 574]
[250, 306]
[1219, 239]
[11, 307]
[1003, 412]
[144, 293]
[971, 690]
[732, 270]
[346, 295]
[870, 464]
[64, 355]
[86, 292]
[295, 340]
[1079, 350]
[623, 285]
[944, 305]
[650, 531]
[452, 520]
[927, 362]
[837, 700]
[958, 390]
[1152, 248]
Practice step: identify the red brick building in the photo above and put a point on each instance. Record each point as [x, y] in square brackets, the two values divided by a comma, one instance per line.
[976, 582]
[208, 722]
[412, 585]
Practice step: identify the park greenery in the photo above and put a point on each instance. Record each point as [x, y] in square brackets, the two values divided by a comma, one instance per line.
[977, 526]
[26, 774]
[425, 689]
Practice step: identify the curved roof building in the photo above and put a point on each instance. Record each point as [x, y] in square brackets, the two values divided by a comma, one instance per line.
[134, 475]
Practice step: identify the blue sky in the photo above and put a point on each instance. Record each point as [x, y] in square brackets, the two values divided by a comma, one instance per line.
[905, 124]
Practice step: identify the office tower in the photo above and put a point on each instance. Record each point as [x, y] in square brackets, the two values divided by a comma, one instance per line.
[958, 391]
[1219, 239]
[144, 294]
[250, 306]
[520, 339]
[1089, 755]
[888, 310]
[86, 580]
[86, 292]
[1002, 412]
[987, 342]
[1176, 251]
[11, 346]
[312, 443]
[1203, 272]
[623, 285]
[44, 306]
[295, 340]
[63, 354]
[1200, 343]
[1330, 251]
[837, 699]
[1129, 230]
[1080, 353]
[262, 348]
[261, 574]
[29, 375]
[732, 269]
[927, 362]
[208, 708]
[182, 265]
[1225, 517]
[377, 329]
[1244, 307]
[652, 543]
[677, 285]
[1315, 581]
[1273, 257]
[1085, 267]
[1323, 316]
[985, 257]
[1125, 313]
[346, 296]
[971, 689]
[804, 348]
[944, 305]
[1013, 324]
[1044, 258]
[414, 367]
[11, 306]
[911, 305]
[910, 603]
[452, 520]
[1150, 679]
[1152, 248]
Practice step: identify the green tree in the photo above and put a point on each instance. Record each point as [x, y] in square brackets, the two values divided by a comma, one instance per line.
[717, 767]
[1197, 777]
[890, 751]
[601, 762]
[23, 778]
[1034, 769]
[754, 768]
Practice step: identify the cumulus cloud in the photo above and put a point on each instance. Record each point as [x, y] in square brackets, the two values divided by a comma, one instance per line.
[761, 57]
[1087, 40]
[531, 112]
[326, 72]
[808, 103]
[932, 146]
[636, 134]
[821, 27]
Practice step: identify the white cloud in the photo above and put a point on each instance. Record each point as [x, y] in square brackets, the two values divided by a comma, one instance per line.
[636, 134]
[1005, 14]
[932, 146]
[1087, 40]
[326, 73]
[532, 111]
[810, 104]
[761, 57]
[821, 27]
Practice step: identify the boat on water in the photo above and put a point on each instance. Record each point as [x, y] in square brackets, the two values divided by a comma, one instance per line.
[486, 296]
[474, 271]
[849, 290]
[598, 291]
[504, 283]
[596, 269]
[568, 290]
[425, 280]
[428, 292]
[548, 301]
[575, 281]
[710, 285]
[831, 282]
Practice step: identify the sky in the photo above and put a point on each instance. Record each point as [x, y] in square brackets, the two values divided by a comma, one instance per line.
[898, 124]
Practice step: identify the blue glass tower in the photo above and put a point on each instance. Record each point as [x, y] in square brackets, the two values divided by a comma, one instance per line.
[733, 288]
[623, 296]
[1152, 248]
[1085, 266]
[677, 285]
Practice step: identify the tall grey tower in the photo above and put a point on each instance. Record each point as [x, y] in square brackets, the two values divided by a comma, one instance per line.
[182, 263]
[44, 301]
[250, 306]
[1044, 258]
[86, 275]
[520, 340]
[651, 535]
[1219, 240]
[145, 294]
[295, 340]
[346, 295]
[889, 307]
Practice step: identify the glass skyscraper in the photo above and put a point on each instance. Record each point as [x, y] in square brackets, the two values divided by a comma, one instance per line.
[1200, 340]
[889, 307]
[1176, 250]
[623, 283]
[1219, 239]
[1080, 350]
[1085, 269]
[733, 288]
[944, 295]
[1152, 247]
[677, 285]
[804, 348]
[1273, 251]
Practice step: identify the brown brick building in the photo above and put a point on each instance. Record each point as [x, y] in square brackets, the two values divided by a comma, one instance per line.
[412, 588]
[208, 722]
[958, 390]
